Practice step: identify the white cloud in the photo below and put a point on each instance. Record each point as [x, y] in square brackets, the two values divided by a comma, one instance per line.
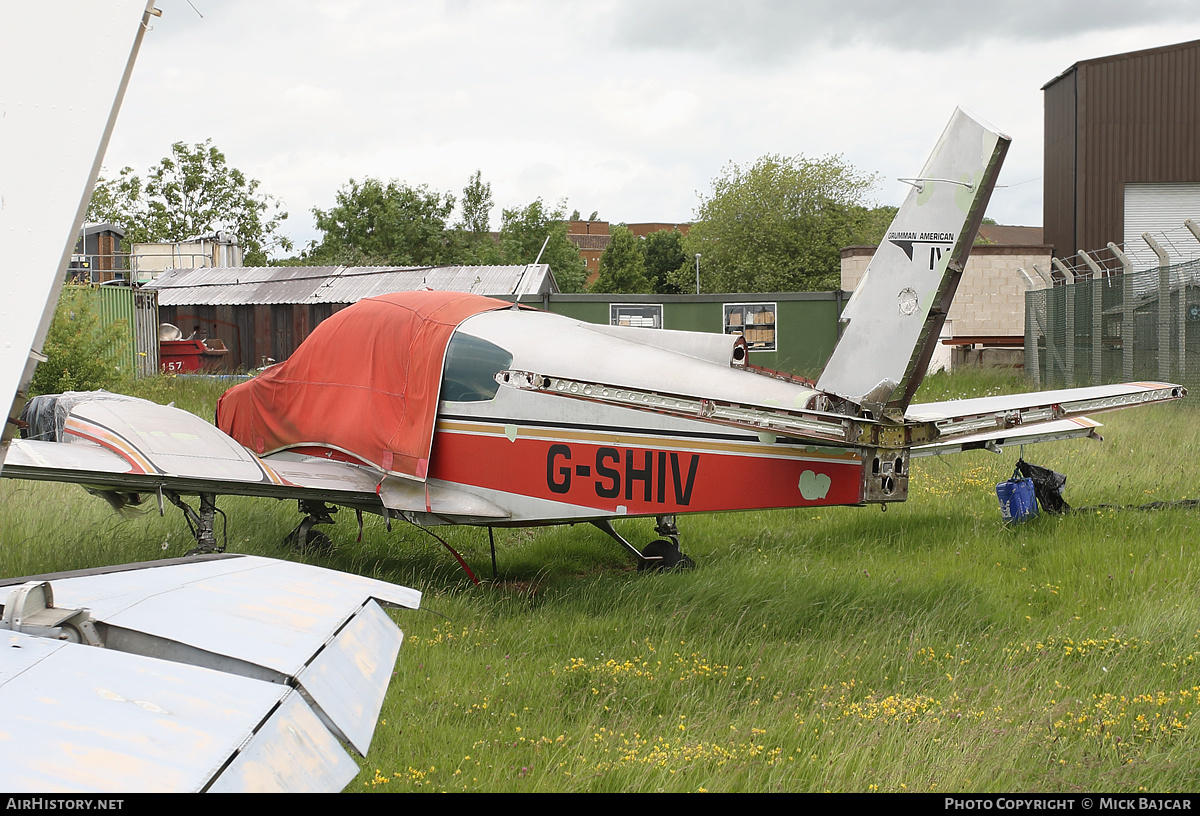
[624, 107]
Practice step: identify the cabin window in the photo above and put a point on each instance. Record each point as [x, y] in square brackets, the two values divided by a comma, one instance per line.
[754, 321]
[471, 367]
[643, 315]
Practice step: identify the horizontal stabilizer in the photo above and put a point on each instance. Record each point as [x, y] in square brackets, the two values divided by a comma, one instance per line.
[961, 418]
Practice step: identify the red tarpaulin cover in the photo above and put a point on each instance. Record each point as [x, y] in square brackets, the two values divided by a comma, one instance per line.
[365, 381]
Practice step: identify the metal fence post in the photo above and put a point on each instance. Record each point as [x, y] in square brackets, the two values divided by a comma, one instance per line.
[1127, 311]
[1164, 307]
[1033, 331]
[1097, 317]
[1069, 322]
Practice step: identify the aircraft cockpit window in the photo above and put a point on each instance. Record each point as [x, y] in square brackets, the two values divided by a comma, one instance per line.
[471, 368]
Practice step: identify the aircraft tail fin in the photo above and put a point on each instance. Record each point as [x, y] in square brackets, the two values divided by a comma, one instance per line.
[896, 314]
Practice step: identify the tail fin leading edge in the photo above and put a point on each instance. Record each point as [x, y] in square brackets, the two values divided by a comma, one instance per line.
[896, 313]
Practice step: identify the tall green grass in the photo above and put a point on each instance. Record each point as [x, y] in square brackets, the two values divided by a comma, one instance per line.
[926, 648]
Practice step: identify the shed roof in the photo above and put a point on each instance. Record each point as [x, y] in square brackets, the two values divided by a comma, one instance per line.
[1126, 55]
[262, 285]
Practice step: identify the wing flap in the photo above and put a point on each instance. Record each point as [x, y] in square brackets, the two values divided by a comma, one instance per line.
[90, 719]
[291, 753]
[349, 678]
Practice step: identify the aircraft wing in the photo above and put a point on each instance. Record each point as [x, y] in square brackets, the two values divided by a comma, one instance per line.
[218, 673]
[126, 444]
[984, 419]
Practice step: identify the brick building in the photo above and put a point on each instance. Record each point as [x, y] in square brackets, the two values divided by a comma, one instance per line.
[592, 237]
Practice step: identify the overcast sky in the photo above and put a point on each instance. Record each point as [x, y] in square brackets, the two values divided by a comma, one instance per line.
[628, 108]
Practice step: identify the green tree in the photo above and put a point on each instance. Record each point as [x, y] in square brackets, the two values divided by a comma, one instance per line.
[373, 223]
[622, 265]
[476, 205]
[192, 192]
[522, 233]
[664, 255]
[119, 201]
[779, 224]
[80, 350]
[475, 223]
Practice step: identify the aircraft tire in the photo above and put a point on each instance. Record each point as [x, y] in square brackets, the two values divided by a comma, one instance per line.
[314, 541]
[672, 558]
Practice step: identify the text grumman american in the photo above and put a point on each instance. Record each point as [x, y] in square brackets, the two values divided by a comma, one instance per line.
[947, 237]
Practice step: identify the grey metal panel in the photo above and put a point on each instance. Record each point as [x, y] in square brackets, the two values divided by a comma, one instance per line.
[146, 332]
[1157, 209]
[292, 753]
[349, 678]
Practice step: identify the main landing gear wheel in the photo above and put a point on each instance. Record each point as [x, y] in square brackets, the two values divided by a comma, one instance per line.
[663, 555]
[304, 537]
[309, 541]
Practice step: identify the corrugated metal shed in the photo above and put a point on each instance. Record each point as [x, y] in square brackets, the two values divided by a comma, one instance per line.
[306, 285]
[1112, 121]
[264, 313]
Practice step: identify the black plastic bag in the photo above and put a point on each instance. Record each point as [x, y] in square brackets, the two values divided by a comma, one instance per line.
[1047, 486]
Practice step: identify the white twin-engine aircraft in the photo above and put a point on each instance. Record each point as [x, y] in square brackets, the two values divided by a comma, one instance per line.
[448, 408]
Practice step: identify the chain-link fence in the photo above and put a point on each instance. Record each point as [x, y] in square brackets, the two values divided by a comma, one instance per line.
[1115, 327]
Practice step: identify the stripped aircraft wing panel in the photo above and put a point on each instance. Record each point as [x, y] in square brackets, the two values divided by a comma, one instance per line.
[1056, 431]
[970, 416]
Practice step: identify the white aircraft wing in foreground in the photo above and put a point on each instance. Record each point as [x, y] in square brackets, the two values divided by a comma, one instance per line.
[223, 673]
[214, 673]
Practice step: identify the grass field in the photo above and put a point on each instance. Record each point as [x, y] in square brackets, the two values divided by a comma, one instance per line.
[928, 648]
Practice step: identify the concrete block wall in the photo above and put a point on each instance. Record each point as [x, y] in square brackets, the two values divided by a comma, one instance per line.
[990, 301]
